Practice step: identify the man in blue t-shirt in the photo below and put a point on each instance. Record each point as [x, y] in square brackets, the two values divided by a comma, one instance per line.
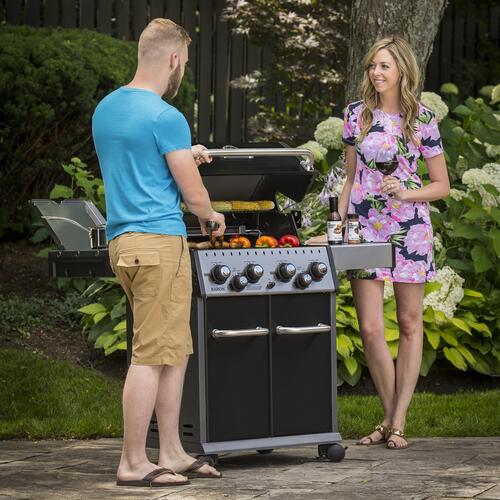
[147, 162]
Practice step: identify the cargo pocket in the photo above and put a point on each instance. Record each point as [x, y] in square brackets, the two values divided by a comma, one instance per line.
[182, 286]
[143, 270]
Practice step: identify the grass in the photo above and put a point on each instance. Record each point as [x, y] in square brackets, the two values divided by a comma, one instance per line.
[42, 398]
[430, 415]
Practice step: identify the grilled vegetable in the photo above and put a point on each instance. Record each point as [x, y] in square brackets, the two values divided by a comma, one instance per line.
[235, 206]
[206, 245]
[239, 242]
[266, 242]
[289, 240]
[222, 206]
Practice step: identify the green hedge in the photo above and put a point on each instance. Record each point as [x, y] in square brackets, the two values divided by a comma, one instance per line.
[50, 83]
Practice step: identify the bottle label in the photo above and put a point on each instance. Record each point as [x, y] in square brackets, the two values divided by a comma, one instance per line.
[353, 231]
[334, 230]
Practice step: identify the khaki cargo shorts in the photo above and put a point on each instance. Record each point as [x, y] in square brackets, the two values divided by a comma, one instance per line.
[154, 270]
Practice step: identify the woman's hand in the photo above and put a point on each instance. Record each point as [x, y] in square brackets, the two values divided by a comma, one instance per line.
[391, 186]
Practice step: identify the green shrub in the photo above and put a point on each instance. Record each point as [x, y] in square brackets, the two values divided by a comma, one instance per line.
[50, 83]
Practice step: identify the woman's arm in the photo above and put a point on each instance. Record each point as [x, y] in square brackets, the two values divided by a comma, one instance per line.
[438, 188]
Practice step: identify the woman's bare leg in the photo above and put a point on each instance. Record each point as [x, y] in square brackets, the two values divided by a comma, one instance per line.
[409, 300]
[369, 301]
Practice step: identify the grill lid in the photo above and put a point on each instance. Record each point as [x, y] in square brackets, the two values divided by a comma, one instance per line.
[252, 172]
[74, 224]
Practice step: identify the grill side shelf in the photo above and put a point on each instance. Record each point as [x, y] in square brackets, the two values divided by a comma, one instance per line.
[79, 264]
[363, 256]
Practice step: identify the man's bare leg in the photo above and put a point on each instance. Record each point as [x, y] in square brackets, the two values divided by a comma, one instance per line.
[139, 396]
[168, 406]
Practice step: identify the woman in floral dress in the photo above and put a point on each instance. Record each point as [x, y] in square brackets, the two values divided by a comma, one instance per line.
[390, 124]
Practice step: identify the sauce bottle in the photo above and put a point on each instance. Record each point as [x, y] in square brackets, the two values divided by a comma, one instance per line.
[353, 236]
[334, 223]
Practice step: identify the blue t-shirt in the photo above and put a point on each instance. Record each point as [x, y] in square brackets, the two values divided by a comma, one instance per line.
[133, 129]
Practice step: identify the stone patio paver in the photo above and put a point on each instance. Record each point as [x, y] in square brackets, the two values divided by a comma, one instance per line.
[439, 468]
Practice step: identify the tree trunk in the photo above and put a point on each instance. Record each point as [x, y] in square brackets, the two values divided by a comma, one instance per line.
[415, 20]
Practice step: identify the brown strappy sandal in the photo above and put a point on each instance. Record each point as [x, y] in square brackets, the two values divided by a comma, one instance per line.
[383, 429]
[193, 471]
[396, 432]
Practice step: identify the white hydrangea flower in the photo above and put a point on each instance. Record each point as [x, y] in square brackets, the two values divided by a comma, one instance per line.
[318, 151]
[449, 295]
[329, 133]
[438, 243]
[449, 88]
[462, 165]
[495, 94]
[434, 102]
[492, 150]
[457, 194]
[493, 170]
[476, 178]
[388, 289]
[486, 91]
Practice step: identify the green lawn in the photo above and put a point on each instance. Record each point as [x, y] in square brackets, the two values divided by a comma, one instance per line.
[41, 398]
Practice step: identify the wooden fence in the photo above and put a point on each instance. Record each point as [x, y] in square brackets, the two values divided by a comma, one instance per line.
[221, 113]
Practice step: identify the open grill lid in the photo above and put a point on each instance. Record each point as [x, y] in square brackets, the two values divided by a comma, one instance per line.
[252, 172]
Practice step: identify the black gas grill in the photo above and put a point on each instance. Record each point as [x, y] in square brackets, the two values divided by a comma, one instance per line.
[263, 374]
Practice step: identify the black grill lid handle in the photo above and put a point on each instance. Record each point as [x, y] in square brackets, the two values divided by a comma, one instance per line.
[307, 163]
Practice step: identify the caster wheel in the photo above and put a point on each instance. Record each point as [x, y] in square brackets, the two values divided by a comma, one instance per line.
[322, 449]
[265, 452]
[210, 459]
[335, 452]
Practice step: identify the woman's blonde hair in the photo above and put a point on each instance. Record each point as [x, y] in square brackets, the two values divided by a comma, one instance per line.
[409, 72]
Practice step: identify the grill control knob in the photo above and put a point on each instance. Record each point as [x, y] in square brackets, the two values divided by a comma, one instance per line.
[318, 270]
[303, 280]
[220, 274]
[239, 282]
[254, 272]
[286, 271]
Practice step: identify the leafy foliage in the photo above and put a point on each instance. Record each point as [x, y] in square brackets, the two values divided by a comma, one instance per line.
[50, 82]
[308, 43]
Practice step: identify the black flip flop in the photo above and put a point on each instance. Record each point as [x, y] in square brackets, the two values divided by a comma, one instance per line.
[193, 471]
[149, 480]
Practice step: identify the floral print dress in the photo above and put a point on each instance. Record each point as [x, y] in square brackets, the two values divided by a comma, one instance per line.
[382, 218]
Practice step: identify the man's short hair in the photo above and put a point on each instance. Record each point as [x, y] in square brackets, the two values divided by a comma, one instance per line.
[160, 34]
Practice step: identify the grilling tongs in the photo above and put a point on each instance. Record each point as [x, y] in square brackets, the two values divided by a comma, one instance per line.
[211, 227]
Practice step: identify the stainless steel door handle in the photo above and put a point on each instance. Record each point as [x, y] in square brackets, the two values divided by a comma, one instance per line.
[293, 330]
[246, 332]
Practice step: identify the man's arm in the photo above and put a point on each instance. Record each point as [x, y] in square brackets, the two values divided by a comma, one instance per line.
[185, 173]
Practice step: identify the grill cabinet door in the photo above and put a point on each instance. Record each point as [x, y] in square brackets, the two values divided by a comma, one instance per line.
[237, 370]
[301, 365]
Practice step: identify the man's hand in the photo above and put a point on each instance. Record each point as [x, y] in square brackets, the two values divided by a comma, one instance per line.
[216, 217]
[200, 154]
